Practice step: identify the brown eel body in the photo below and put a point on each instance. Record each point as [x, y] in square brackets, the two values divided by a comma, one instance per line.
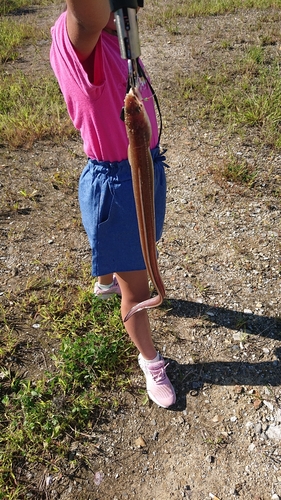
[139, 134]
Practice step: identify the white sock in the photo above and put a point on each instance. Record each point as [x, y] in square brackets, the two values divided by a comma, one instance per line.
[154, 360]
[105, 287]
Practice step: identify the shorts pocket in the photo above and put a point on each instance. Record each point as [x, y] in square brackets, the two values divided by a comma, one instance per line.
[105, 202]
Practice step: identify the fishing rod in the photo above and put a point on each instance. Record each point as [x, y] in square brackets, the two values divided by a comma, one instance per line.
[125, 13]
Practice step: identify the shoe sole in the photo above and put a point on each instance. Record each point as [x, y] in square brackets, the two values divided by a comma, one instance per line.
[157, 403]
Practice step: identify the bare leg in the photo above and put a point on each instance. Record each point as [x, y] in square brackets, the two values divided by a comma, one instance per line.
[135, 289]
[106, 279]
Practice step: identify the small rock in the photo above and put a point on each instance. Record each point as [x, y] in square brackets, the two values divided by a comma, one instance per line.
[274, 432]
[268, 404]
[278, 415]
[98, 477]
[48, 480]
[248, 311]
[238, 487]
[238, 389]
[140, 442]
[248, 425]
[218, 418]
[155, 436]
[236, 336]
[275, 497]
[257, 404]
[258, 428]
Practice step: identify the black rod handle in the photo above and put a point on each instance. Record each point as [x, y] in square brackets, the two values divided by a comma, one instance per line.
[120, 4]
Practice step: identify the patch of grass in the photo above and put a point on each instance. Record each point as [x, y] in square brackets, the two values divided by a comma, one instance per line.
[8, 337]
[38, 417]
[12, 35]
[31, 108]
[8, 6]
[237, 171]
[242, 97]
[160, 14]
[15, 31]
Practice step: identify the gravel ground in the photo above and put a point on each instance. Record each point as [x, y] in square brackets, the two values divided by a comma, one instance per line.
[220, 325]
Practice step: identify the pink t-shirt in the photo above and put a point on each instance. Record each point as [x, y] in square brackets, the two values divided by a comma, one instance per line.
[94, 107]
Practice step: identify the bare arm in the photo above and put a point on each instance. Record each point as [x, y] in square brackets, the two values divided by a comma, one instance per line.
[85, 20]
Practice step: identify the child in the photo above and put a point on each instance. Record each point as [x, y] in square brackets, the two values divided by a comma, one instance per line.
[86, 60]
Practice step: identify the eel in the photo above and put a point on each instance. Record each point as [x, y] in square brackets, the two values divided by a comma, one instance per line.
[138, 130]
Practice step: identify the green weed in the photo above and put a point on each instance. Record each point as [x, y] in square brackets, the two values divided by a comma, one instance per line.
[239, 172]
[9, 6]
[243, 97]
[31, 108]
[161, 14]
[37, 417]
[13, 31]
[12, 35]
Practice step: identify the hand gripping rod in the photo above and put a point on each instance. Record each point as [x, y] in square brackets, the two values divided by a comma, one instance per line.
[125, 13]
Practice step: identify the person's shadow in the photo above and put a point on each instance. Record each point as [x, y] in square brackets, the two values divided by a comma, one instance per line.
[191, 378]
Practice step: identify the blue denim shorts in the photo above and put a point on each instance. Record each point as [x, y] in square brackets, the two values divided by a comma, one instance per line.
[109, 215]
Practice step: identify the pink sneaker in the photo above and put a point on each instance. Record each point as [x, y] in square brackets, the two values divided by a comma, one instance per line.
[158, 386]
[106, 294]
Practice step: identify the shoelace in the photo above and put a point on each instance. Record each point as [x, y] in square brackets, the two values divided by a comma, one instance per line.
[160, 374]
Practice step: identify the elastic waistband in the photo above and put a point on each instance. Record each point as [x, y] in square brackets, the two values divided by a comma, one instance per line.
[157, 156]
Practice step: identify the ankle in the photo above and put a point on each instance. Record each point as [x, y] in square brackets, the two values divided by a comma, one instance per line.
[106, 280]
[156, 358]
[105, 287]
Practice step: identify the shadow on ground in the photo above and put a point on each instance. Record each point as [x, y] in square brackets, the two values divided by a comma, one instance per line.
[264, 326]
[191, 378]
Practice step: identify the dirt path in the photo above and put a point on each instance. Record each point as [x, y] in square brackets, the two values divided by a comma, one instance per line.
[220, 259]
